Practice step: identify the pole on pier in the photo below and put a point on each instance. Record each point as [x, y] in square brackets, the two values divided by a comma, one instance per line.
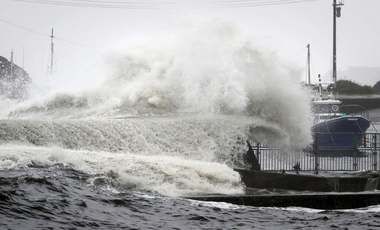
[336, 13]
[12, 65]
[13, 80]
[52, 53]
[308, 64]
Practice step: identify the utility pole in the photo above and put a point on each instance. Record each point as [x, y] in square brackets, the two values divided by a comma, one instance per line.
[13, 81]
[336, 11]
[23, 57]
[308, 64]
[12, 65]
[52, 53]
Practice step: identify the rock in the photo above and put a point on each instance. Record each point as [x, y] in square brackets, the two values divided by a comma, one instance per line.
[13, 84]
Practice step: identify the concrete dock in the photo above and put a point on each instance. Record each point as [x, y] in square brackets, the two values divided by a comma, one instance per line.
[325, 201]
[309, 191]
[308, 182]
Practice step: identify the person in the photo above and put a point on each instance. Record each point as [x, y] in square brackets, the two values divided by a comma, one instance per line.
[297, 167]
[251, 158]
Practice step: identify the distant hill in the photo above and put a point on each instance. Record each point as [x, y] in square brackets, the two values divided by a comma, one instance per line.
[361, 75]
[13, 84]
[349, 88]
[376, 87]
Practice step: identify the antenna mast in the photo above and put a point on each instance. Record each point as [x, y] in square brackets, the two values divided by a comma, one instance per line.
[336, 11]
[52, 53]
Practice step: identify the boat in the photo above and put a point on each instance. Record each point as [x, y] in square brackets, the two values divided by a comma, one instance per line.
[336, 131]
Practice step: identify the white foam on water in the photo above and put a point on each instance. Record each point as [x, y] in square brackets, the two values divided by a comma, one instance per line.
[167, 175]
[221, 205]
[369, 209]
[220, 138]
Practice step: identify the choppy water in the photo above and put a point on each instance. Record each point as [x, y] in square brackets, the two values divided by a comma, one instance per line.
[170, 120]
[59, 197]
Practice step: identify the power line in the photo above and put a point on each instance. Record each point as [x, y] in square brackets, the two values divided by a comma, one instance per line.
[154, 5]
[10, 23]
[149, 4]
[45, 35]
[76, 43]
[166, 4]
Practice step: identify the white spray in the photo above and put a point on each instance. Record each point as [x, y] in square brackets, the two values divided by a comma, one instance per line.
[206, 91]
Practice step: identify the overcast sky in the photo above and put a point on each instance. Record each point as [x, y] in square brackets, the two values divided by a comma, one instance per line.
[83, 33]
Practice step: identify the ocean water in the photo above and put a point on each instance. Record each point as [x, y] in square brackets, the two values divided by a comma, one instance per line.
[169, 119]
[59, 197]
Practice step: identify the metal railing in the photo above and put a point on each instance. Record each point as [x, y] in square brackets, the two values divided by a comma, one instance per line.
[362, 156]
[355, 109]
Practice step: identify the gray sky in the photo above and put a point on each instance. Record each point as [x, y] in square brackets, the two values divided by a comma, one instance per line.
[84, 33]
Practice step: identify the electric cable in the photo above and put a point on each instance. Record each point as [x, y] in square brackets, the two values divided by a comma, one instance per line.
[45, 35]
[166, 4]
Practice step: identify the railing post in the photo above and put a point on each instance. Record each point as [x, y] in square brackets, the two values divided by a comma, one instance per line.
[258, 155]
[355, 153]
[374, 152]
[316, 150]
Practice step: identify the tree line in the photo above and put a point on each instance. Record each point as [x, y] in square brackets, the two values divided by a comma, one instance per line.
[350, 87]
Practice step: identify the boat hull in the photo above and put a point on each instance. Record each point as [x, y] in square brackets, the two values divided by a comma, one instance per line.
[343, 133]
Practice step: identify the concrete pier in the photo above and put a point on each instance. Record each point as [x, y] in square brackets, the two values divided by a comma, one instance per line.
[318, 192]
[325, 201]
[303, 182]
